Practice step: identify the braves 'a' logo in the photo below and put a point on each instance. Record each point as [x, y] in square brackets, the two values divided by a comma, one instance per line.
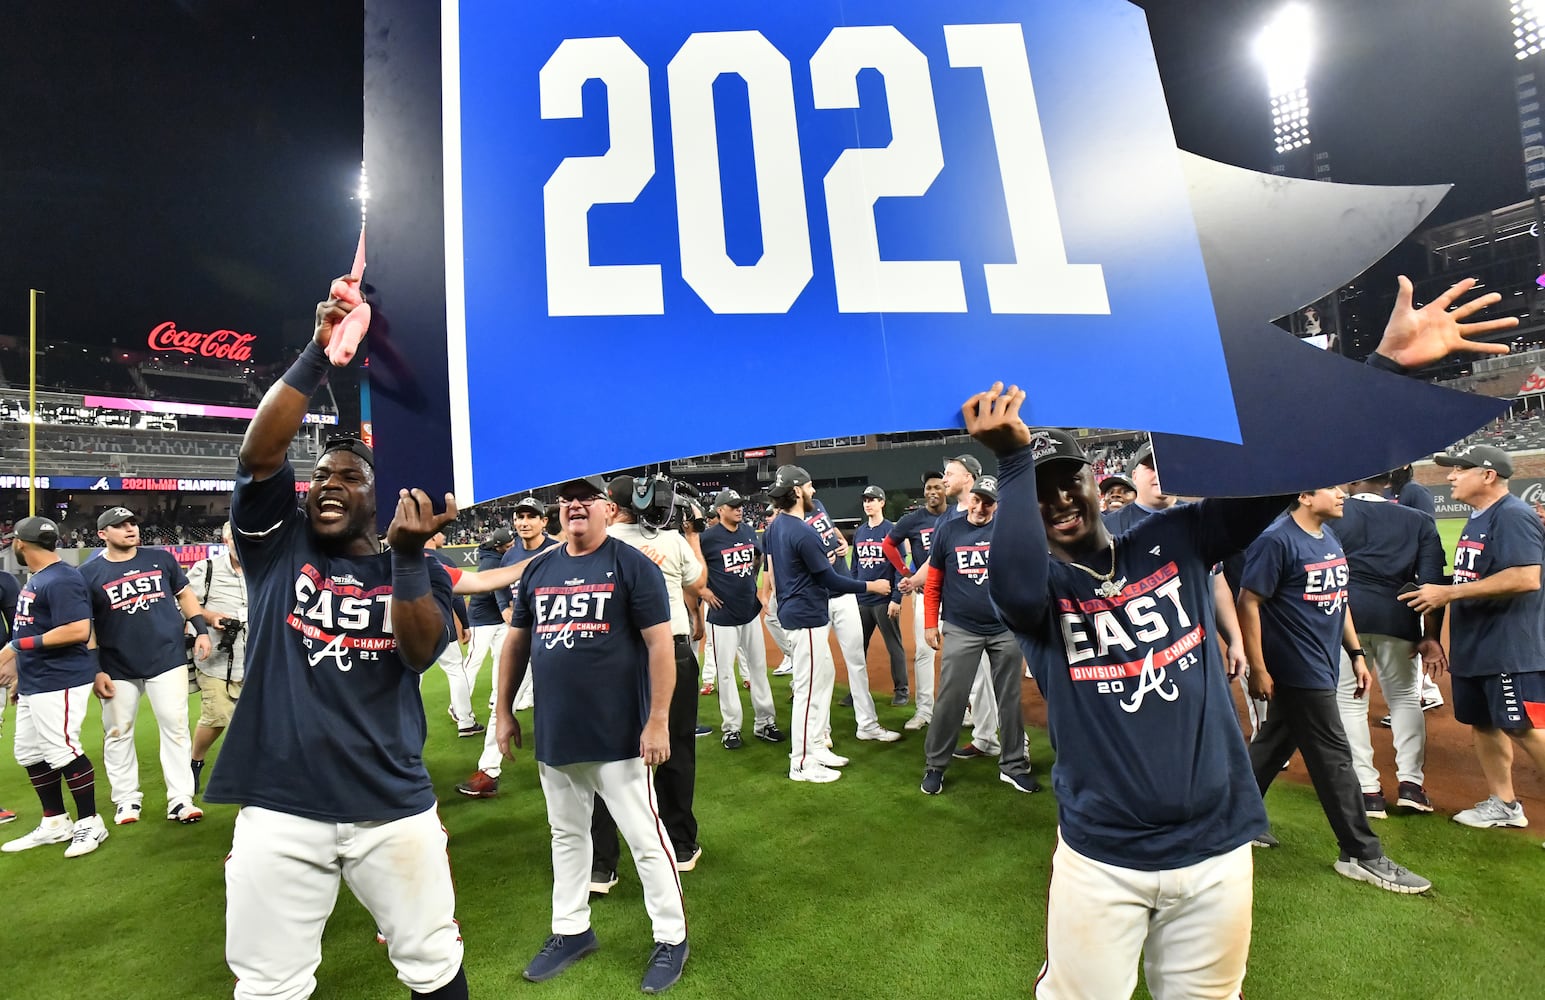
[1153, 680]
[332, 651]
[564, 636]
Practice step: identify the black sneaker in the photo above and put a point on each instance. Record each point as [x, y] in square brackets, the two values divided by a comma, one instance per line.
[769, 733]
[558, 953]
[1413, 797]
[1266, 840]
[476, 729]
[1020, 782]
[899, 698]
[847, 700]
[665, 965]
[602, 880]
[970, 752]
[702, 731]
[1375, 806]
[732, 740]
[933, 781]
[687, 856]
[198, 776]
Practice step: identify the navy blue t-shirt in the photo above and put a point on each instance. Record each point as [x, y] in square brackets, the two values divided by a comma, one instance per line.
[330, 725]
[134, 603]
[732, 558]
[869, 562]
[1124, 518]
[590, 667]
[915, 529]
[1302, 581]
[483, 609]
[10, 590]
[803, 577]
[1417, 497]
[960, 551]
[518, 553]
[458, 603]
[1387, 547]
[1500, 635]
[55, 595]
[1151, 770]
[831, 535]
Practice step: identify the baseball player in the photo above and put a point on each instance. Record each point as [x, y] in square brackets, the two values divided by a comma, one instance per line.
[141, 603]
[915, 531]
[870, 563]
[325, 754]
[592, 619]
[452, 662]
[486, 624]
[47, 661]
[10, 590]
[734, 622]
[804, 580]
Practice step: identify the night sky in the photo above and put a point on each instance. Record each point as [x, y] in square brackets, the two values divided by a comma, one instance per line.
[197, 160]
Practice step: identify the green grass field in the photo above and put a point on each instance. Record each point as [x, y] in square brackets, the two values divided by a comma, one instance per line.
[1449, 529]
[860, 889]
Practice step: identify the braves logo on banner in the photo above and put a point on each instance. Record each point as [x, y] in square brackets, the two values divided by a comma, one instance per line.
[888, 180]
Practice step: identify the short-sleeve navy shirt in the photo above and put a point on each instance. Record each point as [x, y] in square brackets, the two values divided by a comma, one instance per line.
[1500, 635]
[138, 622]
[960, 552]
[55, 595]
[1302, 581]
[732, 558]
[590, 666]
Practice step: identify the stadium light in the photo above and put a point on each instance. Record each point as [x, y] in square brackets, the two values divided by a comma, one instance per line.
[1528, 38]
[1284, 48]
[364, 192]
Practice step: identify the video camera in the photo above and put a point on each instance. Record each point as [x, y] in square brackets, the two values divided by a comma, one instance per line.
[660, 502]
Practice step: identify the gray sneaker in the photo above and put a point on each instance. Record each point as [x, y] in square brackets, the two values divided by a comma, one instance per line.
[1493, 812]
[1384, 873]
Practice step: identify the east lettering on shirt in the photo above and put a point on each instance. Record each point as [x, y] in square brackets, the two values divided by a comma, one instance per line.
[586, 615]
[830, 535]
[960, 551]
[916, 529]
[733, 558]
[792, 546]
[1151, 770]
[330, 725]
[139, 625]
[1500, 635]
[53, 596]
[869, 562]
[1302, 581]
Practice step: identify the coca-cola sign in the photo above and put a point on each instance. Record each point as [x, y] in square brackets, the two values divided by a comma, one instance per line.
[226, 345]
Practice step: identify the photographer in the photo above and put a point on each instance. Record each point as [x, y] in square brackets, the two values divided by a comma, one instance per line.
[222, 592]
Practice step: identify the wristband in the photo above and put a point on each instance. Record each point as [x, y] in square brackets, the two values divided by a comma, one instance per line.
[308, 372]
[27, 642]
[410, 576]
[200, 625]
[1383, 364]
[1353, 654]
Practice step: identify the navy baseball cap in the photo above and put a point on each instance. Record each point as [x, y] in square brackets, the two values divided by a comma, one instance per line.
[37, 530]
[971, 462]
[351, 444]
[1478, 456]
[1111, 482]
[1053, 444]
[987, 488]
[1144, 456]
[501, 536]
[932, 474]
[786, 479]
[873, 493]
[531, 505]
[590, 485]
[728, 498]
[114, 516]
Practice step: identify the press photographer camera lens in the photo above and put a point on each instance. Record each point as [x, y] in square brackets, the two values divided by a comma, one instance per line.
[229, 629]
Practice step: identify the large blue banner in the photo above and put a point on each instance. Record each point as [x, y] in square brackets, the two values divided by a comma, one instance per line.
[678, 228]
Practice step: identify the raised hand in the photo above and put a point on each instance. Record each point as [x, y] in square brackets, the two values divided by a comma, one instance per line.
[1417, 337]
[345, 341]
[342, 298]
[992, 417]
[416, 521]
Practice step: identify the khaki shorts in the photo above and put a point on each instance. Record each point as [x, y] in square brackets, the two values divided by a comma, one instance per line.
[216, 703]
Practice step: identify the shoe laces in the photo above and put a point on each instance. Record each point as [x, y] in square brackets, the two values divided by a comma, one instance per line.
[552, 944]
[663, 956]
[83, 832]
[1389, 869]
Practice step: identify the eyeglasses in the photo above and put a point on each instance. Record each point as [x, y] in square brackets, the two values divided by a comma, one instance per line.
[586, 501]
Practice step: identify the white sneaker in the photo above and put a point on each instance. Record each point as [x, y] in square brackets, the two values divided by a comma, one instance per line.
[87, 835]
[828, 759]
[879, 733]
[126, 813]
[968, 720]
[1493, 812]
[917, 722]
[53, 830]
[185, 812]
[523, 704]
[784, 669]
[814, 773]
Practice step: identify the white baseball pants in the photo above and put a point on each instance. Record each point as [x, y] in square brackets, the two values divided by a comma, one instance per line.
[450, 662]
[726, 643]
[984, 710]
[48, 726]
[924, 675]
[1399, 676]
[782, 637]
[812, 679]
[281, 884]
[168, 694]
[628, 791]
[484, 638]
[849, 630]
[1190, 925]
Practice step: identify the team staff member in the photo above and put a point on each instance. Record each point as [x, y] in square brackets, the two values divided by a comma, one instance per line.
[1148, 495]
[875, 612]
[1388, 547]
[10, 590]
[141, 603]
[325, 756]
[675, 781]
[593, 621]
[734, 620]
[1116, 492]
[53, 672]
[1293, 611]
[914, 530]
[804, 580]
[956, 595]
[486, 626]
[1496, 627]
[222, 587]
[530, 517]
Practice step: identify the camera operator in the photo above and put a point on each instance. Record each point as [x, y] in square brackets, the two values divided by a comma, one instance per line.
[222, 592]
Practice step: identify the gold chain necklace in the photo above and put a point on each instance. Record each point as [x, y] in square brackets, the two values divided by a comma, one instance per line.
[1109, 586]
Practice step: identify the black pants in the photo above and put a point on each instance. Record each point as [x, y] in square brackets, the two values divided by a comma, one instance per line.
[674, 781]
[874, 616]
[1307, 720]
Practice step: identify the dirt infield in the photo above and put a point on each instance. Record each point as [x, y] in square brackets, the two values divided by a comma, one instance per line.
[1453, 775]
